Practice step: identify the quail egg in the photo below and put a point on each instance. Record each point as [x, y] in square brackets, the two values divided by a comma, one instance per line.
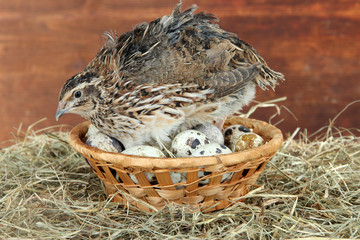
[178, 177]
[211, 150]
[211, 131]
[233, 132]
[246, 141]
[95, 138]
[101, 141]
[187, 141]
[145, 151]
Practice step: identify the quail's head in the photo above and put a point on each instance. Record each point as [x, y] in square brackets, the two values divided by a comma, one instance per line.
[78, 94]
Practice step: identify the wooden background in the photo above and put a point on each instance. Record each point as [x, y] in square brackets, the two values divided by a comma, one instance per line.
[316, 44]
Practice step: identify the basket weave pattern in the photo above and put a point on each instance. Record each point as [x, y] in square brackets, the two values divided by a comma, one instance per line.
[115, 169]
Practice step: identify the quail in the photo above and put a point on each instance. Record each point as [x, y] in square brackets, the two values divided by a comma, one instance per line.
[175, 72]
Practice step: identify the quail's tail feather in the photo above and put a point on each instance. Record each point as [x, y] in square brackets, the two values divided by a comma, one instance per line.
[266, 77]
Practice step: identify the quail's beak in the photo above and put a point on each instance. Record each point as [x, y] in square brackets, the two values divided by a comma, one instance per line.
[61, 110]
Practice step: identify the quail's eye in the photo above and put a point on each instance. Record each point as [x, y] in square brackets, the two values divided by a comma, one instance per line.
[77, 94]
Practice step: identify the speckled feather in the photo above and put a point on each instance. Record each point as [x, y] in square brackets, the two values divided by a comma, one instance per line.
[178, 70]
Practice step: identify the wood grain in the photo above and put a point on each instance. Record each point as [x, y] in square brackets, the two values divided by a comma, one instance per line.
[316, 44]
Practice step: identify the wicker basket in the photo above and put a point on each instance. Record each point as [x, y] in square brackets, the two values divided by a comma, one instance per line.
[115, 169]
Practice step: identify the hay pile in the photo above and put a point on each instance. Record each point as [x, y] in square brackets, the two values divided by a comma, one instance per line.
[310, 188]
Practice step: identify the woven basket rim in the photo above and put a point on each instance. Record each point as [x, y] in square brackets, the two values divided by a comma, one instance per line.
[265, 129]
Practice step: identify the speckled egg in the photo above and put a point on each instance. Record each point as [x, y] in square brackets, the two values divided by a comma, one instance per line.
[233, 132]
[187, 141]
[101, 141]
[145, 151]
[211, 131]
[178, 177]
[150, 177]
[95, 138]
[211, 150]
[246, 141]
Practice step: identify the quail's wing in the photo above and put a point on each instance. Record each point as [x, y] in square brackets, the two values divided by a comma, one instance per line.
[186, 49]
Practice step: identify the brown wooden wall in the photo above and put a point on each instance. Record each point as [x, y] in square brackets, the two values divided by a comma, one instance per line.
[316, 44]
